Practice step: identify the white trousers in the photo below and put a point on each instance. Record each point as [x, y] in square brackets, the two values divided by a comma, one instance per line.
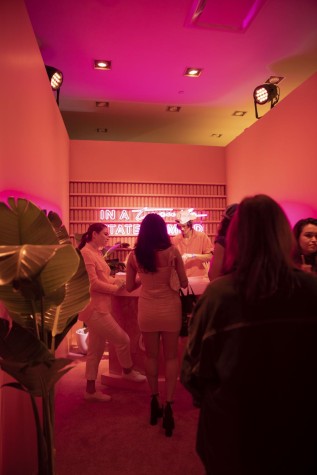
[103, 327]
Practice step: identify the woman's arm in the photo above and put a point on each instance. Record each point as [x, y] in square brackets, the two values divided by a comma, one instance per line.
[132, 281]
[180, 269]
[96, 284]
[215, 268]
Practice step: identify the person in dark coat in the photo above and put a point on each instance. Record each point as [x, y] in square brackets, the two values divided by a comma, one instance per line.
[251, 356]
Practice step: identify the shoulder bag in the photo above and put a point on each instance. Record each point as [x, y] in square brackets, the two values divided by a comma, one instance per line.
[188, 301]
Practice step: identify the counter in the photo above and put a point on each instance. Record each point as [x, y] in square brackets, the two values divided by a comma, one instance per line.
[125, 311]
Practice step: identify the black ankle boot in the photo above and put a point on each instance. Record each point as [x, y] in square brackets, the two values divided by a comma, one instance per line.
[156, 410]
[168, 419]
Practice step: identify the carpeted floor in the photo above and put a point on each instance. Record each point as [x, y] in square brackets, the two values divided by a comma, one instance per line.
[115, 438]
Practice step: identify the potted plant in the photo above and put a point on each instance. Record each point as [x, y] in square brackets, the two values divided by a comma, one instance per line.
[43, 285]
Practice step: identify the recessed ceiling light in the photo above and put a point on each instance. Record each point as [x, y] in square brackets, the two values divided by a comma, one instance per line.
[102, 64]
[102, 130]
[193, 72]
[102, 104]
[274, 79]
[239, 113]
[216, 135]
[173, 108]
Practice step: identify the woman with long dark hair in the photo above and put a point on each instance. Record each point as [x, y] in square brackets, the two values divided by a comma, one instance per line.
[97, 315]
[159, 310]
[251, 356]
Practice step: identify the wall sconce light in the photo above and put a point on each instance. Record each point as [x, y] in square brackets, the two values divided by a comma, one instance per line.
[265, 93]
[56, 79]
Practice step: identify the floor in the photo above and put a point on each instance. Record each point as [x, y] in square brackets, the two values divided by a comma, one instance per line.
[115, 438]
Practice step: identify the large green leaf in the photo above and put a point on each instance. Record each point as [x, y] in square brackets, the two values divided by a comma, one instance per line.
[77, 296]
[23, 262]
[21, 308]
[59, 228]
[59, 269]
[22, 222]
[35, 277]
[36, 376]
[20, 345]
[28, 360]
[39, 277]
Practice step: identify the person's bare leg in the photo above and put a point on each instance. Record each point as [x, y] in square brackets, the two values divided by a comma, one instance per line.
[170, 348]
[151, 342]
[152, 350]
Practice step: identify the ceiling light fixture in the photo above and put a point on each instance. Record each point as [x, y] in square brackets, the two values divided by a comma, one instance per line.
[102, 104]
[265, 93]
[102, 64]
[275, 79]
[193, 72]
[173, 108]
[56, 79]
[239, 113]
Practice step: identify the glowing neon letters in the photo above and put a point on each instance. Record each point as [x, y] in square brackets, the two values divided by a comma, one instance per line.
[122, 222]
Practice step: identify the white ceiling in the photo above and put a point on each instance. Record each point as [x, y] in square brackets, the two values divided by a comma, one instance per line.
[151, 43]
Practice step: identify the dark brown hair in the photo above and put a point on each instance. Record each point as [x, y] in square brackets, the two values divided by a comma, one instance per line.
[297, 253]
[152, 237]
[87, 236]
[259, 248]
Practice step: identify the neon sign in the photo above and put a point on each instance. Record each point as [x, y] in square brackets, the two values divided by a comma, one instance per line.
[128, 221]
[139, 214]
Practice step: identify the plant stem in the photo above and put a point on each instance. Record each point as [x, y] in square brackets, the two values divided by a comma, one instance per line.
[41, 442]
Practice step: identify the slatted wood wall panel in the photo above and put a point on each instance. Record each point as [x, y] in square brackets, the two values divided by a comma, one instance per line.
[88, 198]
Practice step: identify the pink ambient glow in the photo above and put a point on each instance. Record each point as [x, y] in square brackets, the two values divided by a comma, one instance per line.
[296, 211]
[40, 202]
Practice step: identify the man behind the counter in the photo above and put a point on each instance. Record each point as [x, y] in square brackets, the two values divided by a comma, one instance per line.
[194, 246]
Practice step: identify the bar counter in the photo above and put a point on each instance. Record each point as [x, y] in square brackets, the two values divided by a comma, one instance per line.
[125, 311]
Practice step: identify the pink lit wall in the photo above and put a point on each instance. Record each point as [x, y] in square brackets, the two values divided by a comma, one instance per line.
[148, 162]
[278, 155]
[34, 145]
[34, 153]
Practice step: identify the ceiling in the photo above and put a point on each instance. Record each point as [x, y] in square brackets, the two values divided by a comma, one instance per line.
[238, 44]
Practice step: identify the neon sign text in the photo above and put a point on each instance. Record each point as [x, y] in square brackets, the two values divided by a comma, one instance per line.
[128, 221]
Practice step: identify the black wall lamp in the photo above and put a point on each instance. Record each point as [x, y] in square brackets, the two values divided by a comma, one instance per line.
[56, 79]
[265, 93]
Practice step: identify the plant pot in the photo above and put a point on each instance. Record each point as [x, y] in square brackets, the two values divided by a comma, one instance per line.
[81, 337]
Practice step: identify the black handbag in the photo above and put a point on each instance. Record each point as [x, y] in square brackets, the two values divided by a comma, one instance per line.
[188, 301]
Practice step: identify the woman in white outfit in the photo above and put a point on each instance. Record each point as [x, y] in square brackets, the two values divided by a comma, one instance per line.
[97, 315]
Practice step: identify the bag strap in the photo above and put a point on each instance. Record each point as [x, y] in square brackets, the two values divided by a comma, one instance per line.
[181, 292]
[189, 288]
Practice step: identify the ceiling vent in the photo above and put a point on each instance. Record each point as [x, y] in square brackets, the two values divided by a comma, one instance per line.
[227, 15]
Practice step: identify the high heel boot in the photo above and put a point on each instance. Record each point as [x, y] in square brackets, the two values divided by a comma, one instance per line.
[156, 410]
[168, 419]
